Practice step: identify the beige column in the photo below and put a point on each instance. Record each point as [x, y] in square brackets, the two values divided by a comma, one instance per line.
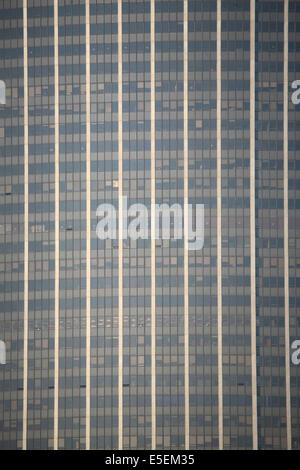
[120, 183]
[219, 226]
[153, 284]
[88, 226]
[25, 370]
[252, 223]
[286, 226]
[186, 198]
[56, 287]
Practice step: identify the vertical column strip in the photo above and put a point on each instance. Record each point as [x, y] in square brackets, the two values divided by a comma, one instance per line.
[286, 227]
[252, 224]
[219, 227]
[186, 198]
[25, 371]
[88, 226]
[153, 281]
[56, 308]
[120, 184]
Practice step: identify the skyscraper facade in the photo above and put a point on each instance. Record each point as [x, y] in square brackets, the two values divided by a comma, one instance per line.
[143, 343]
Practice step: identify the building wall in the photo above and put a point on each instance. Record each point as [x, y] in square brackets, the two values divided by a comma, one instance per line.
[143, 344]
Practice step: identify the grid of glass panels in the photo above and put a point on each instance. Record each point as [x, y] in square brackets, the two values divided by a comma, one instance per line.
[104, 254]
[169, 253]
[136, 254]
[11, 224]
[202, 85]
[294, 206]
[72, 224]
[269, 226]
[41, 225]
[235, 64]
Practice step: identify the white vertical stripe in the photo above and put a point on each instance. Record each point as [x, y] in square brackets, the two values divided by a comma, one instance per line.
[88, 226]
[252, 223]
[120, 182]
[153, 284]
[186, 253]
[25, 372]
[219, 227]
[56, 308]
[286, 227]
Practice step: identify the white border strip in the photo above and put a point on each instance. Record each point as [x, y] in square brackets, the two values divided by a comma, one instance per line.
[120, 162]
[286, 227]
[185, 198]
[56, 311]
[88, 227]
[25, 372]
[153, 273]
[252, 224]
[219, 225]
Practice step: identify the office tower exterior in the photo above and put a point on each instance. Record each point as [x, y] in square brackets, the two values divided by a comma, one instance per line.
[145, 344]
